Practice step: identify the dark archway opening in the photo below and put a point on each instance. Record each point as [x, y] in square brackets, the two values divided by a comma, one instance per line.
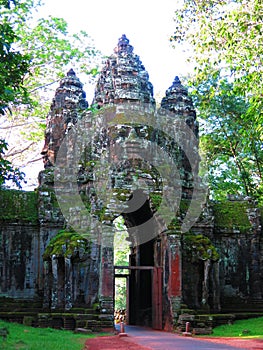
[140, 287]
[141, 259]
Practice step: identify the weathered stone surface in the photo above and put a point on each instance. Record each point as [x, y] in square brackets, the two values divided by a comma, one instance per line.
[66, 108]
[180, 107]
[123, 78]
[19, 259]
[176, 100]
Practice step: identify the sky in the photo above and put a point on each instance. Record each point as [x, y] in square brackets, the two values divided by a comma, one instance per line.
[148, 24]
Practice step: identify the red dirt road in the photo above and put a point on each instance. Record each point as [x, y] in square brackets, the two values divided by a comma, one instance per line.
[112, 343]
[126, 343]
[251, 344]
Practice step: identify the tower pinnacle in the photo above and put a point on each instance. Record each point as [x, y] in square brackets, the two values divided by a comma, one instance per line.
[123, 78]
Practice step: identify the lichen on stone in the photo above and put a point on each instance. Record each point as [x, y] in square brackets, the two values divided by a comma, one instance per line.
[156, 199]
[18, 205]
[176, 222]
[67, 244]
[232, 216]
[199, 247]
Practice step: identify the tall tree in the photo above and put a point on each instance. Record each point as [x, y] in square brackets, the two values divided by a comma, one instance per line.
[13, 64]
[13, 67]
[230, 142]
[45, 51]
[225, 39]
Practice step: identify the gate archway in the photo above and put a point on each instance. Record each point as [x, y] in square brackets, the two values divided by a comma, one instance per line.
[144, 295]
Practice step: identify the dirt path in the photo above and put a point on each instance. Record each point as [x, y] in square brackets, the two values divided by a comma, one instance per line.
[112, 343]
[126, 343]
[251, 344]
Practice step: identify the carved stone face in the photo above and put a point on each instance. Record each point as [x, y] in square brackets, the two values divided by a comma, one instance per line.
[67, 106]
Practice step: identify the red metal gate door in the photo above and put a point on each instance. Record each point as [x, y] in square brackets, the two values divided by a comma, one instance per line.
[157, 298]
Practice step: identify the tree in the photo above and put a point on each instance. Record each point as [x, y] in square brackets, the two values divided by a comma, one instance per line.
[8, 172]
[46, 51]
[230, 142]
[13, 67]
[225, 35]
[13, 64]
[225, 39]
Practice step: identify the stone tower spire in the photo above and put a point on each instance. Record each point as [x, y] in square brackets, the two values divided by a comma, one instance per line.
[123, 78]
[66, 108]
[177, 101]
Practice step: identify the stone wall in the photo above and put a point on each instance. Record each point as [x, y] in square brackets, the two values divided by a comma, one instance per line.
[225, 273]
[19, 244]
[238, 238]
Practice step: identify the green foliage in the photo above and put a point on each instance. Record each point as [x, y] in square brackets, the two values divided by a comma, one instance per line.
[24, 337]
[51, 48]
[35, 53]
[225, 39]
[230, 140]
[199, 247]
[13, 67]
[67, 244]
[122, 194]
[176, 222]
[7, 171]
[156, 199]
[18, 205]
[121, 252]
[252, 327]
[13, 64]
[225, 34]
[232, 215]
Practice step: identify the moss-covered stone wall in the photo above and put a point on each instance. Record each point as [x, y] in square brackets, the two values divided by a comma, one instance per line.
[239, 242]
[232, 216]
[18, 206]
[235, 250]
[19, 242]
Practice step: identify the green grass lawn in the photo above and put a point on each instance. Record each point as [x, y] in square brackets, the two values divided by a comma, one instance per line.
[28, 338]
[252, 327]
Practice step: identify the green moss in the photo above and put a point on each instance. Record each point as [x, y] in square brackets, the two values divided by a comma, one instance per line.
[199, 247]
[232, 216]
[184, 206]
[85, 200]
[18, 205]
[174, 225]
[96, 306]
[67, 244]
[156, 199]
[176, 222]
[47, 176]
[122, 194]
[52, 197]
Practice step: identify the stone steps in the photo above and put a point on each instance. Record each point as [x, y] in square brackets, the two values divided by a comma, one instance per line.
[68, 321]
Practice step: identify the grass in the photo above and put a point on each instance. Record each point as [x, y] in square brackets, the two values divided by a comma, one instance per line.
[250, 328]
[28, 338]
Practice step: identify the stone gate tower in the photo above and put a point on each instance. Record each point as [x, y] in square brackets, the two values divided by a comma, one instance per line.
[155, 258]
[125, 157]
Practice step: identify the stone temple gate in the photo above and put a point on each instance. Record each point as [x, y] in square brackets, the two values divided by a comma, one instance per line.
[124, 156]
